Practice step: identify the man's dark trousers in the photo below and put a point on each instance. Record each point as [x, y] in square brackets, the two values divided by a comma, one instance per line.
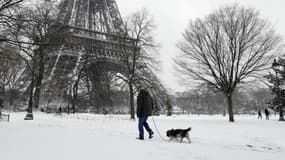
[143, 123]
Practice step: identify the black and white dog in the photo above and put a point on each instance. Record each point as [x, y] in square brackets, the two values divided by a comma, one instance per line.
[179, 133]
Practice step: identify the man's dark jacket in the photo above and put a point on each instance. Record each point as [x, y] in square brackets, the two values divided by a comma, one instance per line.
[144, 104]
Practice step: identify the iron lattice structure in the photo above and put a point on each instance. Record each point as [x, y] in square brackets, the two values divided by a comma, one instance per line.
[88, 32]
[96, 15]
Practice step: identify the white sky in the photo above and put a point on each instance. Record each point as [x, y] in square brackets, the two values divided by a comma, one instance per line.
[172, 16]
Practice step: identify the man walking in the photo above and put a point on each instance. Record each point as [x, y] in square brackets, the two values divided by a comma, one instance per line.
[144, 109]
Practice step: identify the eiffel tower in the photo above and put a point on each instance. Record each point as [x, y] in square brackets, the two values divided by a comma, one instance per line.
[89, 33]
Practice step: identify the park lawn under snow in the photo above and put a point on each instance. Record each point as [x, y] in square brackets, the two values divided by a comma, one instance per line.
[110, 137]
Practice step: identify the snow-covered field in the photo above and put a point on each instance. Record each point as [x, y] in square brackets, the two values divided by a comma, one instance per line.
[110, 137]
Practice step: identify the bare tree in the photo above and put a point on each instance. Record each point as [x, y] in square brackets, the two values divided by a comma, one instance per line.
[30, 33]
[139, 26]
[227, 48]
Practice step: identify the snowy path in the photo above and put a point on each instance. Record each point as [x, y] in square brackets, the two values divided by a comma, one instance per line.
[91, 137]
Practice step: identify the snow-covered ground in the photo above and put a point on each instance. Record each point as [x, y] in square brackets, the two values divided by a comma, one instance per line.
[110, 137]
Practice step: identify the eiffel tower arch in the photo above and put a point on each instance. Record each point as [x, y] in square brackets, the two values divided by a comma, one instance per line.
[87, 34]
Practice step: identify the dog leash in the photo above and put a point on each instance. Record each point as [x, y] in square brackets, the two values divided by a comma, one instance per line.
[157, 130]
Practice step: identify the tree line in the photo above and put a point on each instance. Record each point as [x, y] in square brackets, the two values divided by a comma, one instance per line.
[201, 101]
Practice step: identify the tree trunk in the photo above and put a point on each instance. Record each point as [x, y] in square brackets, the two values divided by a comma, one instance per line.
[281, 114]
[230, 108]
[31, 98]
[224, 108]
[29, 115]
[132, 105]
[30, 105]
[75, 95]
[37, 93]
[39, 78]
[2, 95]
[69, 99]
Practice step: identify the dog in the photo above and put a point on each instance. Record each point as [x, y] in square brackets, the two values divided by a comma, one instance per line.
[179, 133]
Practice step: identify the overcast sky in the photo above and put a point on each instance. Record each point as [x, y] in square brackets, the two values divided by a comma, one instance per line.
[172, 16]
